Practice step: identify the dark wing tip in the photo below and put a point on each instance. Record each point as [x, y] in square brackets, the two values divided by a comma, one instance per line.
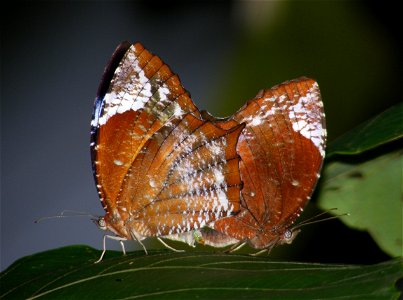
[111, 67]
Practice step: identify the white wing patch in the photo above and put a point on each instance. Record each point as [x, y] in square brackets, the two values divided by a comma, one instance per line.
[306, 118]
[132, 90]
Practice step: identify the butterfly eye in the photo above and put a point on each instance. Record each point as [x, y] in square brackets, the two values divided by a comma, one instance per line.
[101, 223]
[287, 235]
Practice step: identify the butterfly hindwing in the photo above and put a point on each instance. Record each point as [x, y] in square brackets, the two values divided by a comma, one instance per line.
[186, 176]
[282, 150]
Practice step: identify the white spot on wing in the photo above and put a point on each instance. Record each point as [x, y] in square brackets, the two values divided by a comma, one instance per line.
[118, 162]
[219, 177]
[295, 182]
[256, 121]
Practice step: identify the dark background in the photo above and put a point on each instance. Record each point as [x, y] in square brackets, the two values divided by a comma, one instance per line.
[53, 55]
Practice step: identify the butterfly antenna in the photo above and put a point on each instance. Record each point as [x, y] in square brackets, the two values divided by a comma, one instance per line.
[314, 220]
[318, 215]
[66, 214]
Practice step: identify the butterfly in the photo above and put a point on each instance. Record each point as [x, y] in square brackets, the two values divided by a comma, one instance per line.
[165, 169]
[282, 148]
[160, 168]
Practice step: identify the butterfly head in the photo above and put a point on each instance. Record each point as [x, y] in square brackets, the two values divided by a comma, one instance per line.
[288, 236]
[267, 239]
[101, 223]
[109, 224]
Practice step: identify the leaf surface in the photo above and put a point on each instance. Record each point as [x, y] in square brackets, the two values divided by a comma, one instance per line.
[70, 273]
[370, 192]
[384, 128]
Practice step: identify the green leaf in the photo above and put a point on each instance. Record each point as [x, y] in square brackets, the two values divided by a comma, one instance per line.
[371, 193]
[70, 273]
[384, 128]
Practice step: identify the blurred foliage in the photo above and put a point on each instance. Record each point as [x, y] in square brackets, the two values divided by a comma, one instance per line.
[337, 43]
[364, 178]
[70, 273]
[370, 192]
[384, 128]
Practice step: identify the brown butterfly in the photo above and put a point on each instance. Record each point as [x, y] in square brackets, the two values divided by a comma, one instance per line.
[282, 148]
[159, 167]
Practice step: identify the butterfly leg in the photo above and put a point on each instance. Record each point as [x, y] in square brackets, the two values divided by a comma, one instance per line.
[235, 247]
[169, 247]
[138, 238]
[142, 245]
[268, 250]
[123, 247]
[112, 237]
[259, 252]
